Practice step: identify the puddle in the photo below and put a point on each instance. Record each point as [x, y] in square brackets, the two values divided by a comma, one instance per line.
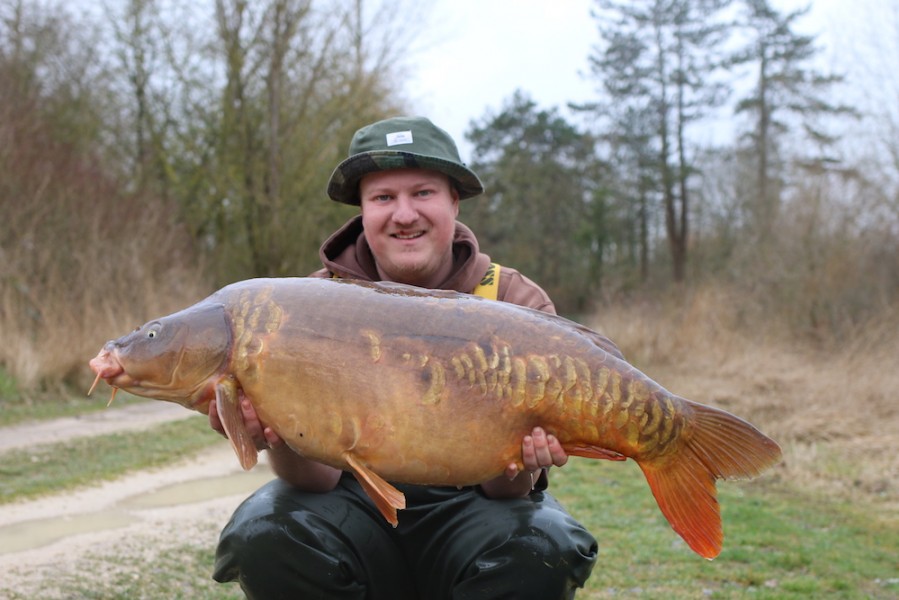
[41, 532]
[199, 490]
[36, 533]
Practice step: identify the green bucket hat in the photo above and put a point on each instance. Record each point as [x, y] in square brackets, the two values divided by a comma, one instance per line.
[401, 143]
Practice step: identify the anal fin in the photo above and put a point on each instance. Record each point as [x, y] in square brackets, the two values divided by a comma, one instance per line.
[387, 498]
[227, 404]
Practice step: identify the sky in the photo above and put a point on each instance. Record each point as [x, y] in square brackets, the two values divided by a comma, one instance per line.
[476, 53]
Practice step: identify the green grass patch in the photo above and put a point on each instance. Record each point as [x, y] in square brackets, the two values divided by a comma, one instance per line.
[779, 542]
[8, 386]
[15, 409]
[53, 468]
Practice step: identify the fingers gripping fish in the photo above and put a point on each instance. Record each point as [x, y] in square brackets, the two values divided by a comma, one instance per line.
[390, 381]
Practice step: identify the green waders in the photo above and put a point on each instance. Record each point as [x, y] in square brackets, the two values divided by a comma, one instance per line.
[450, 543]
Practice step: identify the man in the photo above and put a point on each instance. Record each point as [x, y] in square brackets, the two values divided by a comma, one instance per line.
[313, 533]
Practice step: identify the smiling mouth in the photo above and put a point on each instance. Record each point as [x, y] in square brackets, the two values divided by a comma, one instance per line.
[408, 236]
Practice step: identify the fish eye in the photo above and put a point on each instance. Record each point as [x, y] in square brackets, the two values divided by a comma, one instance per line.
[152, 333]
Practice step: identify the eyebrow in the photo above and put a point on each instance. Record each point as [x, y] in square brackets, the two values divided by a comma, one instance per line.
[389, 189]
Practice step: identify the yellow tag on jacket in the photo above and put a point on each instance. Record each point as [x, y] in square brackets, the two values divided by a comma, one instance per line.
[489, 286]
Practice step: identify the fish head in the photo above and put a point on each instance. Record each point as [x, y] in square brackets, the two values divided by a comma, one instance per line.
[177, 358]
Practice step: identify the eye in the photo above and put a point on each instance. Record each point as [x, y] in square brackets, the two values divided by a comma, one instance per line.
[152, 333]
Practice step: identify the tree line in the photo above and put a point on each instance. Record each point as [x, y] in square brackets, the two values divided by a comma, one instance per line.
[627, 193]
[162, 148]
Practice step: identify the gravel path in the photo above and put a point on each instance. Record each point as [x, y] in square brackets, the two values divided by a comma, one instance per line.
[187, 501]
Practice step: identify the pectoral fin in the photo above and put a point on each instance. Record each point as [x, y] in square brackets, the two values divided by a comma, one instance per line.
[227, 403]
[387, 498]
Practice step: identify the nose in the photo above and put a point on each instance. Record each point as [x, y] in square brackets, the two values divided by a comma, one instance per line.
[405, 212]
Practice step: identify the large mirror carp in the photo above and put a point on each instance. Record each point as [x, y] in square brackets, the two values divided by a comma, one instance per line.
[396, 383]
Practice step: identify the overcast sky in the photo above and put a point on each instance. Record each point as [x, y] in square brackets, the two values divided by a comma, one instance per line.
[478, 52]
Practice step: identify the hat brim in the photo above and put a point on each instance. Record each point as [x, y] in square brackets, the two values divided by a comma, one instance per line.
[344, 183]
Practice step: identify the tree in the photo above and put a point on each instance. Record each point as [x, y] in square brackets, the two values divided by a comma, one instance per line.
[284, 85]
[80, 248]
[786, 85]
[541, 177]
[658, 61]
[633, 192]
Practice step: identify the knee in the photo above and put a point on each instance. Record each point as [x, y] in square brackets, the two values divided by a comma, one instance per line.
[561, 557]
[252, 533]
[261, 543]
[549, 557]
[559, 537]
[276, 553]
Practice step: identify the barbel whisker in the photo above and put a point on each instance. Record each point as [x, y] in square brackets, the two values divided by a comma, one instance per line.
[94, 385]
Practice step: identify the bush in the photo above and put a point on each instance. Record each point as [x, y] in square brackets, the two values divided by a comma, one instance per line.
[82, 257]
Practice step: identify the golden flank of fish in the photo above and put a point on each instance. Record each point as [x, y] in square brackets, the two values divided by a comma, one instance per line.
[393, 382]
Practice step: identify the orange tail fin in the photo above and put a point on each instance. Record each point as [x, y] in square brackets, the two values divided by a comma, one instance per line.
[720, 446]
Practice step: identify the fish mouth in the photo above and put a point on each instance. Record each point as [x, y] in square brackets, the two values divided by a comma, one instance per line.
[109, 368]
[106, 365]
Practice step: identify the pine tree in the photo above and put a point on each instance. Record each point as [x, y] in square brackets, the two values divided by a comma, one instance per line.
[659, 59]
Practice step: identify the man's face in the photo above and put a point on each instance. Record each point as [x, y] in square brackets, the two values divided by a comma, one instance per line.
[409, 217]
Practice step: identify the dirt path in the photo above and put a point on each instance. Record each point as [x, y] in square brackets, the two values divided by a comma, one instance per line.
[186, 501]
[132, 417]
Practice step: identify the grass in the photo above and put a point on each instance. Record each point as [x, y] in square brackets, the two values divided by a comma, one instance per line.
[780, 542]
[7, 384]
[53, 468]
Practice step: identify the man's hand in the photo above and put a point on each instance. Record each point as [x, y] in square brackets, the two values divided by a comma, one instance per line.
[538, 451]
[263, 437]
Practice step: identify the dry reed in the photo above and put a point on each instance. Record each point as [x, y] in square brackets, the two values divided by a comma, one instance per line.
[831, 407]
[81, 258]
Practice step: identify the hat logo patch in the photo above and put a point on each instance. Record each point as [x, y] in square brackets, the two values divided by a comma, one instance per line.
[399, 137]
